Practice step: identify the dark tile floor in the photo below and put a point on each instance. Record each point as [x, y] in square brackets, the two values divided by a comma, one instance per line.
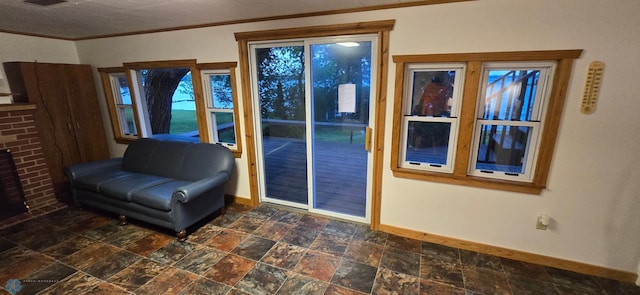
[267, 250]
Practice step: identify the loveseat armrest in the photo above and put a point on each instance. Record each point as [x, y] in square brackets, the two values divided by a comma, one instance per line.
[190, 191]
[78, 170]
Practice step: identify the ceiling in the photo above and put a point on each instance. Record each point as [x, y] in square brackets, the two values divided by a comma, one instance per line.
[85, 19]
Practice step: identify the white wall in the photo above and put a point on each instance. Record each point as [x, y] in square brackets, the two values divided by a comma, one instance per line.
[593, 193]
[23, 48]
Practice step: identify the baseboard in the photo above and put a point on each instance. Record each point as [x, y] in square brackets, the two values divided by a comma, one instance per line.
[515, 254]
[239, 200]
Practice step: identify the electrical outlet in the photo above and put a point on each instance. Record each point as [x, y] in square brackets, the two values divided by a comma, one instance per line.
[539, 224]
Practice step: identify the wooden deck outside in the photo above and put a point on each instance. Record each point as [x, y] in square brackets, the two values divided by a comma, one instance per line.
[340, 174]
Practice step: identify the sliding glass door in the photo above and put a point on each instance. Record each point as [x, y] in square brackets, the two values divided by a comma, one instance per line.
[279, 83]
[315, 98]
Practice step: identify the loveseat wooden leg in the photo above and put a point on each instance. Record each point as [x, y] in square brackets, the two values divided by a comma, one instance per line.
[182, 235]
[123, 220]
[223, 210]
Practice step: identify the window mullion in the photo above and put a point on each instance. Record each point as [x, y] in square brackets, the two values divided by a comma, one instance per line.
[215, 110]
[467, 117]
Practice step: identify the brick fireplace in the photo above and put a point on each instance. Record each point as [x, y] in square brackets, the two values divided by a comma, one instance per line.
[18, 133]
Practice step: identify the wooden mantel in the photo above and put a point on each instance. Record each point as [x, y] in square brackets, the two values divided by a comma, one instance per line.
[17, 107]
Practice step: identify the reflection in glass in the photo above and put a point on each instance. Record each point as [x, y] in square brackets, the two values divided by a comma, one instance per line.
[432, 93]
[503, 148]
[225, 127]
[129, 124]
[339, 154]
[123, 85]
[510, 94]
[280, 81]
[428, 142]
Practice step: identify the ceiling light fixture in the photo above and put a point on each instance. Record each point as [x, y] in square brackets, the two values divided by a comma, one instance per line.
[44, 2]
[349, 44]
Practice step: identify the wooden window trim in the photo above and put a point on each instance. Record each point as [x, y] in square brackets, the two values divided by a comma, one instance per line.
[107, 88]
[231, 66]
[197, 90]
[564, 60]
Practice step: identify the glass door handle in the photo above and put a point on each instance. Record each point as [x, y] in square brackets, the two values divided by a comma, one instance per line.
[367, 139]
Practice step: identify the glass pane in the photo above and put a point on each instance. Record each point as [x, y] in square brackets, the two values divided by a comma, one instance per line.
[339, 155]
[127, 121]
[280, 77]
[225, 127]
[428, 142]
[510, 94]
[123, 85]
[221, 91]
[432, 93]
[503, 148]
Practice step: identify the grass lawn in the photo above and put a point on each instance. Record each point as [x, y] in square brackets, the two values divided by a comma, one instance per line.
[183, 121]
[322, 133]
[339, 134]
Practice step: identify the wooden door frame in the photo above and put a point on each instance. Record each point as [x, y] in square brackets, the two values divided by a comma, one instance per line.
[382, 29]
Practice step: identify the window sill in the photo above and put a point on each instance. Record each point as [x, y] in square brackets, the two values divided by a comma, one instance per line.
[123, 140]
[512, 186]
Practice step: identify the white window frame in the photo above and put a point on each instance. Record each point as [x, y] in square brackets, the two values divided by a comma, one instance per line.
[543, 90]
[550, 115]
[140, 100]
[121, 107]
[458, 83]
[212, 110]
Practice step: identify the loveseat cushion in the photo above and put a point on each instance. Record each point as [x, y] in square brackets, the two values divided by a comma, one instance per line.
[204, 160]
[150, 156]
[137, 155]
[122, 187]
[157, 196]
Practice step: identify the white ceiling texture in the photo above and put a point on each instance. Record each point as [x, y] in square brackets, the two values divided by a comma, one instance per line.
[84, 19]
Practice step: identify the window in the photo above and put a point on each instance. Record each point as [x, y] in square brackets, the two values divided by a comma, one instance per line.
[116, 88]
[218, 81]
[151, 98]
[509, 118]
[482, 119]
[430, 116]
[164, 98]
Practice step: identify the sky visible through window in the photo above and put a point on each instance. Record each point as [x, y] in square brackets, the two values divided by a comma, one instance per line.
[181, 101]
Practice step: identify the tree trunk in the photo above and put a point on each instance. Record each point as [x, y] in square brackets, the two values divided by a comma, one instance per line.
[160, 84]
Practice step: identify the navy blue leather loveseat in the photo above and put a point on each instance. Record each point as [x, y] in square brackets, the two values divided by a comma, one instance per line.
[172, 184]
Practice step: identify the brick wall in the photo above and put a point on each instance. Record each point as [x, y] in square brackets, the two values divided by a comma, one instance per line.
[18, 133]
